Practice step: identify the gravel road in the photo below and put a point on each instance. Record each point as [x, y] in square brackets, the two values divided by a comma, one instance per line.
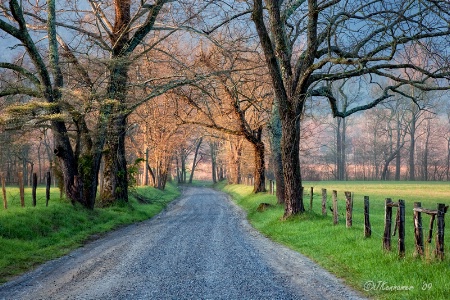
[200, 247]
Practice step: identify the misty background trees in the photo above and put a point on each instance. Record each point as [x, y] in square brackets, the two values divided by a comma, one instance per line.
[108, 94]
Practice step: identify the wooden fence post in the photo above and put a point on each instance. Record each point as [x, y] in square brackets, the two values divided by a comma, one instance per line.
[302, 189]
[324, 202]
[21, 189]
[367, 228]
[5, 201]
[418, 231]
[440, 231]
[47, 188]
[33, 189]
[348, 209]
[311, 198]
[401, 228]
[387, 225]
[335, 208]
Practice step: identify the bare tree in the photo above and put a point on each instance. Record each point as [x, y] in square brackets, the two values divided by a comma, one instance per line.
[309, 43]
[233, 102]
[89, 99]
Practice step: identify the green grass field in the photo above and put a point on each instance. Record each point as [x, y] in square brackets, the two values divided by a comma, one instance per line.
[360, 261]
[32, 235]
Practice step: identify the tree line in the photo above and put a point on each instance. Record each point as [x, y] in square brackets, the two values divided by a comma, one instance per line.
[118, 84]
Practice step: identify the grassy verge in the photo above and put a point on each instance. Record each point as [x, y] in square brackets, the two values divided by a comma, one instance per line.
[32, 235]
[360, 261]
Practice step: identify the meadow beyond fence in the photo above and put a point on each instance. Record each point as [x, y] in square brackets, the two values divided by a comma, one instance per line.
[435, 211]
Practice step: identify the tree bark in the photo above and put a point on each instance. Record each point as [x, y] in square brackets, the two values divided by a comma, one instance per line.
[275, 145]
[290, 149]
[260, 168]
[213, 152]
[235, 176]
[115, 185]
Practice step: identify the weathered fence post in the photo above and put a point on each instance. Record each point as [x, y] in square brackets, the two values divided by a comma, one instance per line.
[367, 228]
[401, 228]
[302, 189]
[335, 208]
[348, 209]
[440, 231]
[33, 188]
[47, 188]
[430, 232]
[418, 231]
[5, 202]
[324, 202]
[387, 225]
[21, 189]
[311, 198]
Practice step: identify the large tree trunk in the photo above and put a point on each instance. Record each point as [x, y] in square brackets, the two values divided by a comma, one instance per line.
[115, 185]
[80, 173]
[290, 150]
[234, 175]
[260, 168]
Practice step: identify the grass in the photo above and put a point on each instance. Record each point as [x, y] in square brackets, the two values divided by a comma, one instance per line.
[32, 235]
[360, 261]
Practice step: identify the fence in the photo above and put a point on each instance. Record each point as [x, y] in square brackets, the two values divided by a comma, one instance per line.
[22, 190]
[399, 227]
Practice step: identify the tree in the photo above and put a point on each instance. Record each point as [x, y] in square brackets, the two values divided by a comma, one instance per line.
[309, 43]
[394, 125]
[195, 161]
[90, 96]
[234, 102]
[45, 81]
[275, 147]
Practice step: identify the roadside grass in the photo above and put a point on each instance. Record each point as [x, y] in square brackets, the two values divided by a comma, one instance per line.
[359, 261]
[32, 235]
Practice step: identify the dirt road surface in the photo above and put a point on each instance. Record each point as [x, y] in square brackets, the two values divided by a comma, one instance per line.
[200, 247]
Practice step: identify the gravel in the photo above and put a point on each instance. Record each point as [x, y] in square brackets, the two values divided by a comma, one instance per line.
[200, 247]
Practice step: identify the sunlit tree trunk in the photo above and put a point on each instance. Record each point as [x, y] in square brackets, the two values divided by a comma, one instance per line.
[195, 162]
[213, 153]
